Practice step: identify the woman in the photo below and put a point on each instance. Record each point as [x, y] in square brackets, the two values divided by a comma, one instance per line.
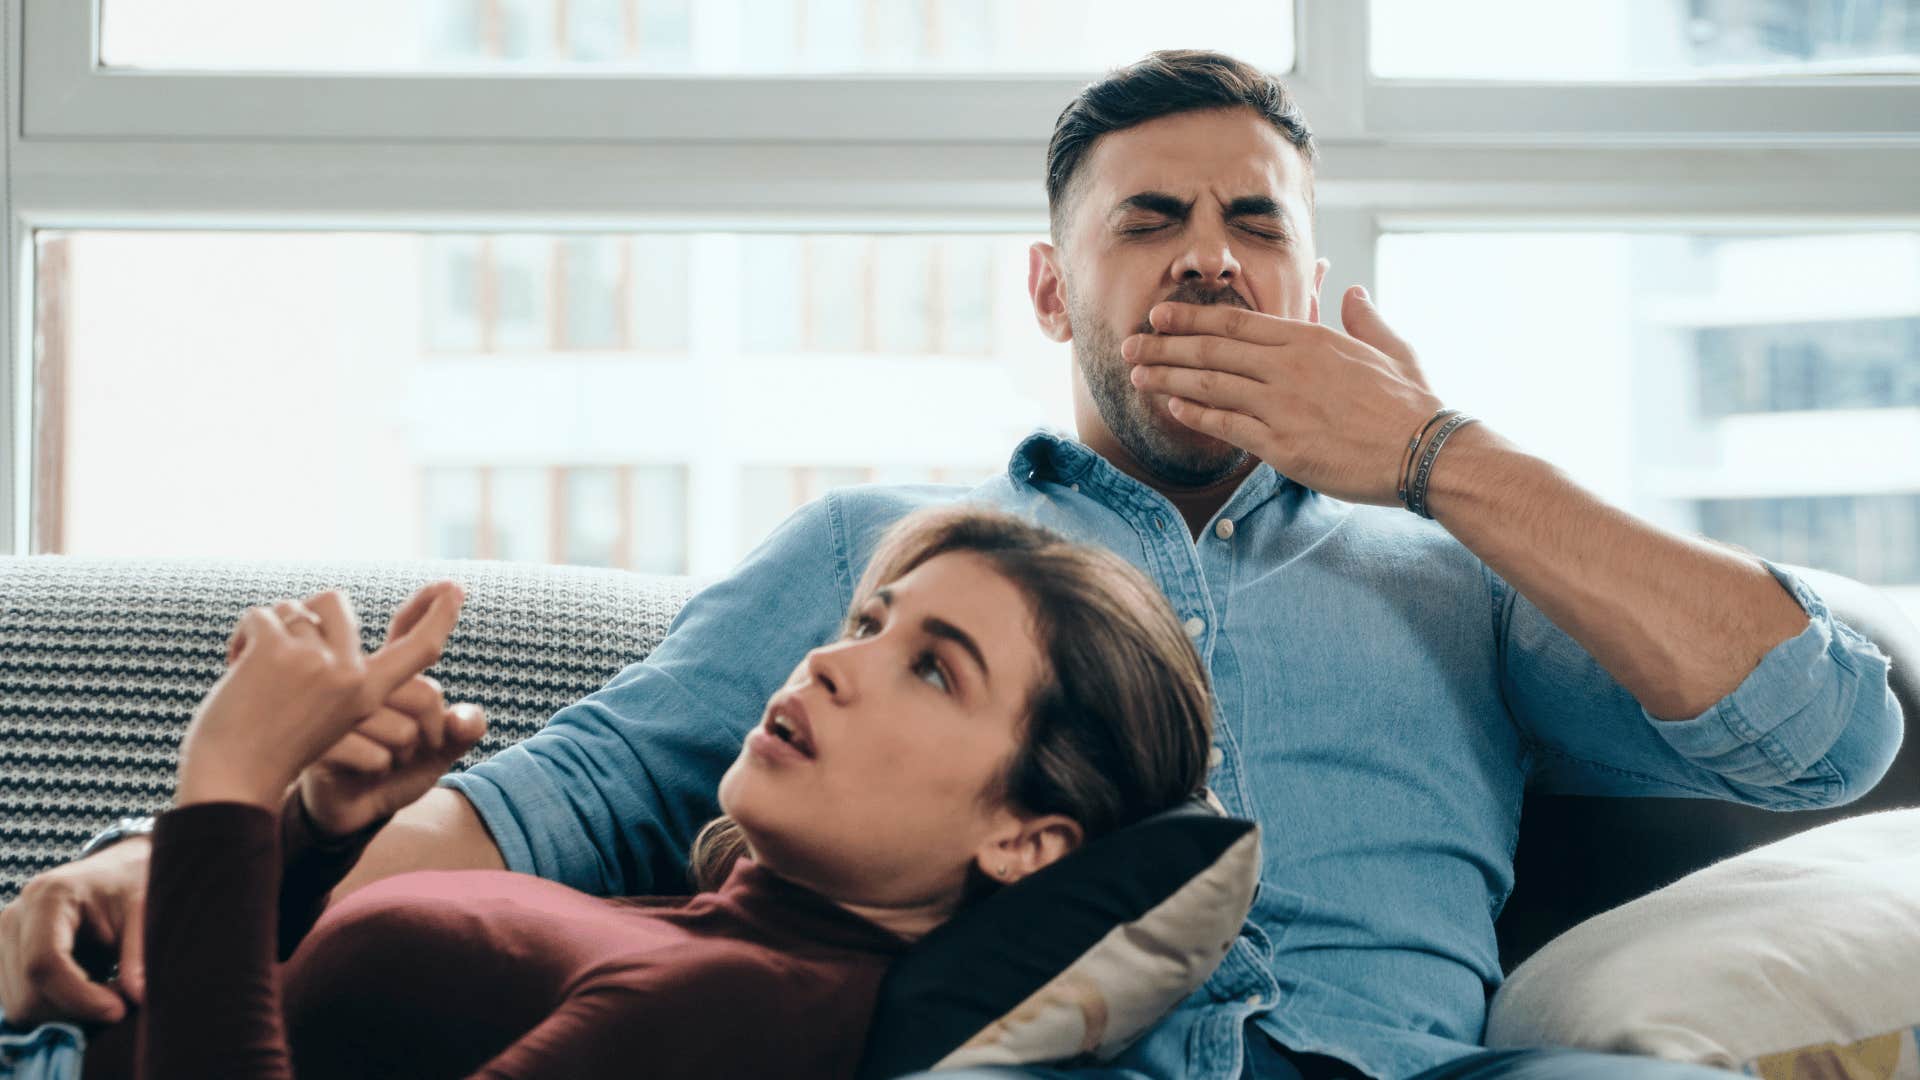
[998, 697]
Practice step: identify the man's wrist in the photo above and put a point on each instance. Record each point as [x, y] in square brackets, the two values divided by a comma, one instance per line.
[1465, 471]
[127, 828]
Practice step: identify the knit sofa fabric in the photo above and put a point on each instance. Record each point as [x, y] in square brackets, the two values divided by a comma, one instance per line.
[102, 662]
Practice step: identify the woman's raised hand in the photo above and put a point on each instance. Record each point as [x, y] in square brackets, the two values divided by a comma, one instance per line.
[395, 755]
[297, 683]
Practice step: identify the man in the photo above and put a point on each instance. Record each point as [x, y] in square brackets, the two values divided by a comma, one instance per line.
[1387, 685]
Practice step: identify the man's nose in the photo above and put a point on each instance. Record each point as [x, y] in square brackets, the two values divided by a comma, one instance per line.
[1208, 260]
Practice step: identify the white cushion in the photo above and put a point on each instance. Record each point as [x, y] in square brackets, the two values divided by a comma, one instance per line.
[1810, 944]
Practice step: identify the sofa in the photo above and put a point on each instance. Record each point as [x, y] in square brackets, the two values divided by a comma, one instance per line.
[103, 660]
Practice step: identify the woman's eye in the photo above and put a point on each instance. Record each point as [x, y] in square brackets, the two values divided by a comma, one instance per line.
[860, 625]
[928, 663]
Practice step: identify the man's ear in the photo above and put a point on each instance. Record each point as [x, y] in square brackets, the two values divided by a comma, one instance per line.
[1049, 291]
[1026, 845]
[1319, 279]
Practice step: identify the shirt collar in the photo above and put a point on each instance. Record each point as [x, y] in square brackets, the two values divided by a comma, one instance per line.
[1051, 456]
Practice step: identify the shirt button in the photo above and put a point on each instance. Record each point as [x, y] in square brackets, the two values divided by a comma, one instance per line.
[1256, 1000]
[1214, 757]
[1223, 528]
[1196, 626]
[1076, 487]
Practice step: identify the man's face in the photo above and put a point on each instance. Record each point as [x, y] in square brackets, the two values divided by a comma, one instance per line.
[1203, 207]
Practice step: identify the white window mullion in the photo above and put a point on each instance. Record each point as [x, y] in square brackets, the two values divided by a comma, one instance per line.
[1346, 237]
[1329, 71]
[15, 411]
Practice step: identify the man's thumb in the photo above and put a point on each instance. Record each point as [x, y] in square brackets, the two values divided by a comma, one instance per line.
[1363, 322]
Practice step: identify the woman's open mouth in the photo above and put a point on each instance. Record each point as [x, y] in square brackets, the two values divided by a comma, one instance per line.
[786, 731]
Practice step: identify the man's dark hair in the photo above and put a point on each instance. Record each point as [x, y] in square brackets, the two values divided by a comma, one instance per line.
[1164, 83]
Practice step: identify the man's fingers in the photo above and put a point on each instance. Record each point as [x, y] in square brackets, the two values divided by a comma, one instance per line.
[418, 647]
[1225, 320]
[59, 986]
[1365, 324]
[1214, 388]
[1204, 351]
[133, 956]
[1236, 428]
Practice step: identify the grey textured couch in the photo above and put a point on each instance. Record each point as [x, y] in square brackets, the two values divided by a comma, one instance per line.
[102, 662]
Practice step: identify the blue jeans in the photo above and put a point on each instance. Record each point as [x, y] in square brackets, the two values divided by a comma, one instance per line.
[1268, 1062]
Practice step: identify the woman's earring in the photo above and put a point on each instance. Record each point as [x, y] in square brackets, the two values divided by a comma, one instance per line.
[1004, 868]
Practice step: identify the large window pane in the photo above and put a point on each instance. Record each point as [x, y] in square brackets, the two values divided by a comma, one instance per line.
[658, 501]
[394, 395]
[593, 517]
[713, 36]
[1642, 39]
[1760, 390]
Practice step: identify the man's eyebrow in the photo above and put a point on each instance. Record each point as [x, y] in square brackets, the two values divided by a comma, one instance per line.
[1257, 206]
[1156, 202]
[941, 628]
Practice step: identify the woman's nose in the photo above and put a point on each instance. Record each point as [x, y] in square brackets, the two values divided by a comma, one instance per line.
[830, 667]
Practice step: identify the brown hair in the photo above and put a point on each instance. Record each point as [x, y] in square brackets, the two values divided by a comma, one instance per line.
[1164, 83]
[1118, 725]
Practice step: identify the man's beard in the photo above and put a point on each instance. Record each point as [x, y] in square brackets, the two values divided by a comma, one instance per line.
[1171, 451]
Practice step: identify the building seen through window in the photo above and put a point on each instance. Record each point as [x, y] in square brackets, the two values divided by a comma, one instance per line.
[721, 37]
[1643, 39]
[1762, 390]
[626, 400]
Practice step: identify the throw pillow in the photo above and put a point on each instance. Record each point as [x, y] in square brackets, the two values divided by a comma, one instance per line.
[1077, 960]
[1798, 955]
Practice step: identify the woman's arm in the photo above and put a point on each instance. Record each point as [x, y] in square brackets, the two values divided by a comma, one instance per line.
[296, 685]
[213, 1000]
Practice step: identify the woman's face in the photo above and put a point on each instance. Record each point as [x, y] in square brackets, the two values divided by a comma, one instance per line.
[867, 778]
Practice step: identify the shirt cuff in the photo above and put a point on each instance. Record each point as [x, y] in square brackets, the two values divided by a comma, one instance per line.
[497, 815]
[1790, 710]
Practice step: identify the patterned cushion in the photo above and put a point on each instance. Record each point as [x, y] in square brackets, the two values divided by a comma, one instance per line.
[103, 660]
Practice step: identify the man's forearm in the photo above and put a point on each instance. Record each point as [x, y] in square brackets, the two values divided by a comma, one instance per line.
[439, 831]
[1678, 621]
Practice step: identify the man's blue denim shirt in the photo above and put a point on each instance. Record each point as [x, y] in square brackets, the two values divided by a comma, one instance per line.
[1383, 697]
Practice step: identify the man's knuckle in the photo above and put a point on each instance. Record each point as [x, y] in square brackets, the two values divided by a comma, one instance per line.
[42, 967]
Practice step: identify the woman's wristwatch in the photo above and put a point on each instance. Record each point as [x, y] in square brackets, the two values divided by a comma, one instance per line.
[116, 832]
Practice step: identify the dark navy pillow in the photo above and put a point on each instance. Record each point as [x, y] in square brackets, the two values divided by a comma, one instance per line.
[1076, 961]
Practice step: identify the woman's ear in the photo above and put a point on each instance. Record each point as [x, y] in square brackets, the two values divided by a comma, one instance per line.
[1028, 845]
[1049, 291]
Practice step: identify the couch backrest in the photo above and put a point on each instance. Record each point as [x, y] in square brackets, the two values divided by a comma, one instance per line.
[103, 660]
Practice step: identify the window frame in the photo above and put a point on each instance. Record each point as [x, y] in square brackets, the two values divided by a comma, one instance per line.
[87, 147]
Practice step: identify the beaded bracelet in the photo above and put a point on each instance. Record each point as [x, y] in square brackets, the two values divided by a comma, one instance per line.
[1413, 444]
[1417, 495]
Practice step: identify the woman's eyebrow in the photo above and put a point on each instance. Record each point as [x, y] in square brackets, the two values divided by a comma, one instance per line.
[941, 628]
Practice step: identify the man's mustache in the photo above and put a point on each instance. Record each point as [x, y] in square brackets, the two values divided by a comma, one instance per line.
[1189, 293]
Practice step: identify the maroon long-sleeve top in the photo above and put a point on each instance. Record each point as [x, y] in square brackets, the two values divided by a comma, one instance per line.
[488, 973]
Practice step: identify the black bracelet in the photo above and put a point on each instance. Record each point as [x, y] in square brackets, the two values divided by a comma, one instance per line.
[1417, 497]
[1413, 445]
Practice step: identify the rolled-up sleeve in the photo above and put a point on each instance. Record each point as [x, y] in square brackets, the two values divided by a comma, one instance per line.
[1814, 724]
[1816, 717]
[608, 796]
